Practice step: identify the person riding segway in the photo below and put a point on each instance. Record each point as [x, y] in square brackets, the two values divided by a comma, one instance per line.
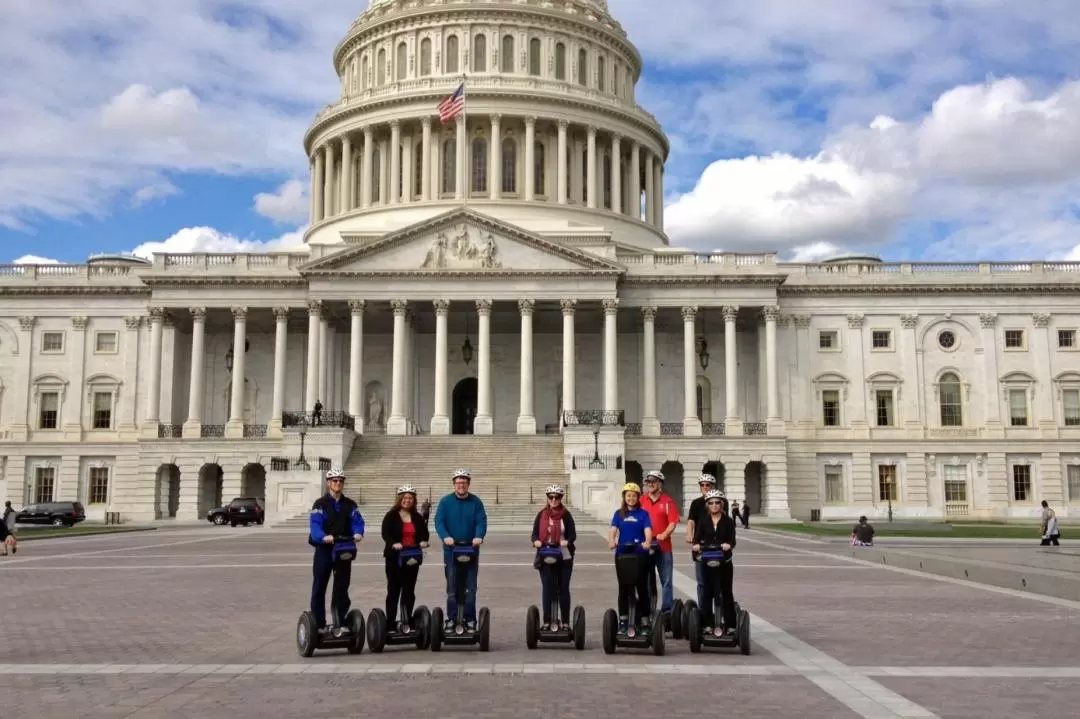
[554, 534]
[714, 544]
[664, 518]
[405, 532]
[335, 528]
[637, 624]
[461, 523]
[694, 516]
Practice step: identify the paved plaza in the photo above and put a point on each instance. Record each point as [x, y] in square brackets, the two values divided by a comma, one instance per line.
[200, 622]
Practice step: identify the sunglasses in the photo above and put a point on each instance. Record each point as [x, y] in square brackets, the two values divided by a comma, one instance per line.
[554, 496]
[337, 481]
[714, 501]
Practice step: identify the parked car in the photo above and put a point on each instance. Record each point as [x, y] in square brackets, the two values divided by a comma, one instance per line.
[58, 514]
[242, 510]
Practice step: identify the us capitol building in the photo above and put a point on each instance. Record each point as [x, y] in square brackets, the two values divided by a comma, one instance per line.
[493, 288]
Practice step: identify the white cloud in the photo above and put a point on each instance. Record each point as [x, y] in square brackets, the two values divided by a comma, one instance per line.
[34, 260]
[289, 204]
[208, 239]
[155, 191]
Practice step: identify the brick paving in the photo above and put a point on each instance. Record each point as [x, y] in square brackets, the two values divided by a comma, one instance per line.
[221, 596]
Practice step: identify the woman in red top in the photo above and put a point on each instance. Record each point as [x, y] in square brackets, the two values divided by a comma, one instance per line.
[403, 526]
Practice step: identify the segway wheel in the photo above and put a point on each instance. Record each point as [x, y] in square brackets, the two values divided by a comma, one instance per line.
[610, 629]
[658, 636]
[675, 621]
[743, 632]
[376, 630]
[579, 628]
[435, 629]
[483, 628]
[307, 635]
[693, 631]
[532, 627]
[421, 622]
[354, 620]
[689, 607]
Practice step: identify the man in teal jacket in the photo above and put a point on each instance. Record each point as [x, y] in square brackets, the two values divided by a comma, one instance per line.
[461, 518]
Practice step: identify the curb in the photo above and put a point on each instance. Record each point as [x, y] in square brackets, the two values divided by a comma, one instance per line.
[74, 535]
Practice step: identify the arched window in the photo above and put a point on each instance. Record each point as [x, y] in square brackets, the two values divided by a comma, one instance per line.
[950, 400]
[479, 54]
[560, 61]
[605, 162]
[380, 67]
[479, 165]
[534, 56]
[402, 61]
[425, 56]
[418, 167]
[601, 67]
[509, 166]
[449, 166]
[451, 54]
[364, 72]
[583, 67]
[376, 173]
[538, 169]
[616, 83]
[507, 60]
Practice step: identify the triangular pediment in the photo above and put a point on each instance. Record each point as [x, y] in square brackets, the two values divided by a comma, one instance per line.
[462, 241]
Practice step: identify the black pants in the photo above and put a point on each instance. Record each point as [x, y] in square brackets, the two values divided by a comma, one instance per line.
[724, 576]
[1052, 539]
[550, 577]
[400, 587]
[640, 592]
[324, 566]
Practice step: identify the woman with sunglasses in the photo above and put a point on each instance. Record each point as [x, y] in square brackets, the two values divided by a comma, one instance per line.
[554, 527]
[716, 528]
[402, 527]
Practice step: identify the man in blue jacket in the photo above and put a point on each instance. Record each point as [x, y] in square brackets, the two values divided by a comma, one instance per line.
[334, 518]
[461, 518]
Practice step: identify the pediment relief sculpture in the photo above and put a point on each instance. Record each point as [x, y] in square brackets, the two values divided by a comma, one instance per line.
[462, 247]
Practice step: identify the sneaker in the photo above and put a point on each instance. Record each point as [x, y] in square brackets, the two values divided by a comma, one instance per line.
[470, 626]
[707, 630]
[623, 624]
[448, 625]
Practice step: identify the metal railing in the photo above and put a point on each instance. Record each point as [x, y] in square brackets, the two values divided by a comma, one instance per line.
[592, 417]
[334, 420]
[596, 461]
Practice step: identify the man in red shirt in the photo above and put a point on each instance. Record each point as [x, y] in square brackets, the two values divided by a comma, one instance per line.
[664, 517]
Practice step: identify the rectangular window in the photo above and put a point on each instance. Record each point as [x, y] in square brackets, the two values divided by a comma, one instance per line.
[955, 476]
[881, 339]
[883, 399]
[99, 486]
[1014, 339]
[1072, 475]
[52, 341]
[830, 407]
[1018, 409]
[103, 404]
[834, 485]
[828, 340]
[44, 484]
[105, 342]
[1021, 483]
[1070, 401]
[49, 410]
[1067, 339]
[886, 479]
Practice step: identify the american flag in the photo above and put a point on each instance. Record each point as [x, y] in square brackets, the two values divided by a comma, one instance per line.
[452, 106]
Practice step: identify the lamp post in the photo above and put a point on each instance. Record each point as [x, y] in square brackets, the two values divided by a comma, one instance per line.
[229, 359]
[596, 463]
[302, 463]
[703, 352]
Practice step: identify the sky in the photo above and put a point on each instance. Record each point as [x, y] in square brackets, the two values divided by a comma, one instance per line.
[915, 130]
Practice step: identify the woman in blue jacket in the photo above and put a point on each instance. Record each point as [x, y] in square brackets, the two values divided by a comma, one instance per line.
[631, 525]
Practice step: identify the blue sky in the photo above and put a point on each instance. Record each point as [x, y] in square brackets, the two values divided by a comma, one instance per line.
[913, 129]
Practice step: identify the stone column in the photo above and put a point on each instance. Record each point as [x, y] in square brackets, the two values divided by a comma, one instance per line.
[72, 421]
[426, 192]
[235, 426]
[731, 360]
[312, 389]
[397, 423]
[153, 391]
[317, 209]
[328, 182]
[772, 390]
[1043, 406]
[590, 171]
[650, 189]
[658, 188]
[196, 389]
[526, 423]
[408, 173]
[395, 162]
[611, 353]
[650, 424]
[561, 179]
[384, 171]
[484, 423]
[616, 174]
[366, 167]
[495, 159]
[691, 421]
[635, 181]
[460, 187]
[440, 420]
[281, 359]
[356, 363]
[569, 357]
[324, 361]
[988, 322]
[346, 174]
[530, 159]
[408, 387]
[132, 360]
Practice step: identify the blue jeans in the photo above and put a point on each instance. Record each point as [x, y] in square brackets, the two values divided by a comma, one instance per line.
[663, 563]
[702, 596]
[472, 571]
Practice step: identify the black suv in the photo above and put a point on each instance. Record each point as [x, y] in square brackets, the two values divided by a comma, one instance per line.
[242, 510]
[58, 514]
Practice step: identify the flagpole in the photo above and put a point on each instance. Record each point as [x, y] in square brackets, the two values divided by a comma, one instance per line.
[465, 123]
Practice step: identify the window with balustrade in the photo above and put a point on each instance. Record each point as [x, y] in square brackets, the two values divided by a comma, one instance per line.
[49, 410]
[830, 408]
[479, 165]
[102, 410]
[449, 166]
[950, 400]
[402, 62]
[425, 57]
[1070, 407]
[364, 70]
[560, 61]
[583, 67]
[534, 57]
[479, 56]
[884, 408]
[506, 58]
[1018, 408]
[380, 68]
[601, 74]
[452, 55]
[954, 478]
[509, 166]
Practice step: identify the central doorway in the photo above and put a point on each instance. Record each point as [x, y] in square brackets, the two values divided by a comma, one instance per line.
[464, 411]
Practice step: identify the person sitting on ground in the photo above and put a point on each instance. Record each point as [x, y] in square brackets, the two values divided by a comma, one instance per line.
[717, 529]
[862, 534]
[555, 527]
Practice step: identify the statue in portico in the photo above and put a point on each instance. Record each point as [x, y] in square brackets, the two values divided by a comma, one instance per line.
[375, 410]
[460, 250]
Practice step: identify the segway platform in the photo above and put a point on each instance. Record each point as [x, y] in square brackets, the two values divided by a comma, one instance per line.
[349, 635]
[415, 630]
[459, 634]
[551, 559]
[627, 559]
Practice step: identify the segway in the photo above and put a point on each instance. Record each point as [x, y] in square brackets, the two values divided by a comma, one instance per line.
[345, 633]
[411, 630]
[713, 558]
[551, 559]
[627, 562]
[673, 620]
[462, 556]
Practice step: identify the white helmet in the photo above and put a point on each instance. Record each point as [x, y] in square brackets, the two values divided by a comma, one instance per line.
[555, 489]
[655, 473]
[406, 489]
[707, 479]
[713, 494]
[335, 473]
[459, 472]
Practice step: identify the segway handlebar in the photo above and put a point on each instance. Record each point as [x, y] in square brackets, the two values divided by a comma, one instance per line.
[410, 556]
[344, 550]
[629, 548]
[712, 555]
[463, 552]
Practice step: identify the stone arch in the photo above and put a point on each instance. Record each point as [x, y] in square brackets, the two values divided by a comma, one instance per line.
[634, 472]
[253, 481]
[167, 491]
[9, 340]
[704, 399]
[1018, 376]
[716, 468]
[374, 407]
[674, 484]
[754, 483]
[211, 487]
[947, 319]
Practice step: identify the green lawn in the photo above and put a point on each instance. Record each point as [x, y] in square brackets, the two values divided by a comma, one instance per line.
[79, 530]
[884, 529]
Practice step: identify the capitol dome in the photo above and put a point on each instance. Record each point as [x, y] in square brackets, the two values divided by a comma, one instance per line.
[550, 140]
